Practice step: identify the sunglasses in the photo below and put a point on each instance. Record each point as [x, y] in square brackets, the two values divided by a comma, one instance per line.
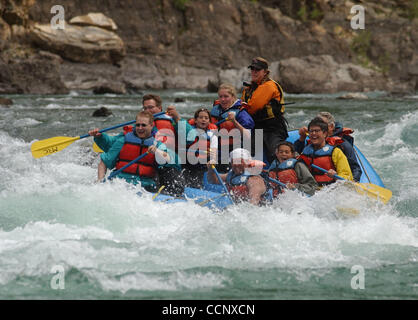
[254, 68]
[139, 125]
[314, 131]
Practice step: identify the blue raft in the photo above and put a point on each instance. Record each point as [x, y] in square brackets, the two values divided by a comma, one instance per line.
[213, 196]
[204, 198]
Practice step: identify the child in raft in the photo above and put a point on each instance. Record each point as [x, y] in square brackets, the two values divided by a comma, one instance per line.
[295, 174]
[200, 149]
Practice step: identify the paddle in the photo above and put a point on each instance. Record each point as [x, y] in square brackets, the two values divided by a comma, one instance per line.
[53, 145]
[285, 186]
[115, 173]
[96, 148]
[206, 201]
[158, 192]
[369, 189]
[49, 146]
[277, 182]
[222, 183]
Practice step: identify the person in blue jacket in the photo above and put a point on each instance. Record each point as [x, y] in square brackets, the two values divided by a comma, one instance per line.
[233, 122]
[335, 129]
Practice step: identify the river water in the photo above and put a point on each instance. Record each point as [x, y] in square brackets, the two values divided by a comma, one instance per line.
[64, 237]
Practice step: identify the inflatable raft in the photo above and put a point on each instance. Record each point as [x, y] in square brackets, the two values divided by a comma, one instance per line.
[204, 198]
[213, 196]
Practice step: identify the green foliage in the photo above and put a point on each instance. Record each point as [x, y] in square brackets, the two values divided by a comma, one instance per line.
[180, 4]
[316, 13]
[413, 10]
[302, 13]
[360, 45]
[311, 12]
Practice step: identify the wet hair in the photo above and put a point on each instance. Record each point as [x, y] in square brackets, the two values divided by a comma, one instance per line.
[330, 118]
[318, 122]
[286, 143]
[229, 88]
[154, 97]
[196, 114]
[145, 114]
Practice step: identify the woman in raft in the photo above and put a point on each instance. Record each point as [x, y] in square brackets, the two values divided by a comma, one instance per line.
[228, 114]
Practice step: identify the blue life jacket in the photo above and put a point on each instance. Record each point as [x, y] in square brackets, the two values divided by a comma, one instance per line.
[288, 164]
[220, 113]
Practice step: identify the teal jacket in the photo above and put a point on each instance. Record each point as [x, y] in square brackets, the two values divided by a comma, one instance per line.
[113, 145]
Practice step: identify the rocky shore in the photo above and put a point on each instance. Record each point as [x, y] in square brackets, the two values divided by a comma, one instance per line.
[129, 46]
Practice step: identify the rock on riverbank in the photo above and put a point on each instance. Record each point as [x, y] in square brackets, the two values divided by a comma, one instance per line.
[196, 44]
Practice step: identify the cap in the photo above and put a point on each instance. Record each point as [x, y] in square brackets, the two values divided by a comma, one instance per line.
[239, 153]
[259, 63]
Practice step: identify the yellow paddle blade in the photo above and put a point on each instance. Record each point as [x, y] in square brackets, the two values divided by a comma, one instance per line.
[49, 146]
[374, 191]
[158, 192]
[96, 148]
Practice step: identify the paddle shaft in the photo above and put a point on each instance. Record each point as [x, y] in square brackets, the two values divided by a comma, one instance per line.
[326, 171]
[285, 186]
[222, 183]
[278, 182]
[119, 125]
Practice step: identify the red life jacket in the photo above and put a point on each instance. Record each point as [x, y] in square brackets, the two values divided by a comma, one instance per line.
[284, 172]
[166, 132]
[334, 141]
[132, 148]
[322, 158]
[345, 132]
[211, 126]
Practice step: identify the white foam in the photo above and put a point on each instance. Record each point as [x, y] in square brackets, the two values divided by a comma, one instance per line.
[26, 122]
[394, 130]
[294, 114]
[149, 282]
